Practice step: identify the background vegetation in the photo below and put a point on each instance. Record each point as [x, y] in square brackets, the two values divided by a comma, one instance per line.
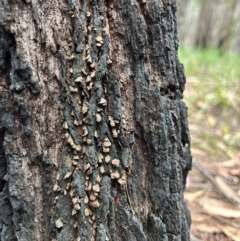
[210, 51]
[213, 97]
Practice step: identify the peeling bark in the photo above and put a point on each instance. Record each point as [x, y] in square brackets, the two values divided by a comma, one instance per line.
[94, 140]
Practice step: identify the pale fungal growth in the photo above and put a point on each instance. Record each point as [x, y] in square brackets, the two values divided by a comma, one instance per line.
[90, 86]
[114, 175]
[84, 108]
[84, 149]
[102, 102]
[109, 61]
[76, 158]
[74, 200]
[58, 176]
[88, 56]
[88, 14]
[98, 117]
[115, 162]
[89, 171]
[84, 72]
[99, 38]
[69, 140]
[95, 224]
[90, 221]
[56, 188]
[68, 174]
[74, 211]
[106, 142]
[75, 225]
[79, 79]
[77, 148]
[89, 60]
[84, 131]
[107, 159]
[104, 30]
[93, 74]
[65, 125]
[86, 200]
[74, 163]
[92, 197]
[72, 89]
[59, 223]
[73, 145]
[93, 65]
[114, 133]
[71, 70]
[100, 157]
[89, 28]
[72, 191]
[98, 179]
[89, 141]
[87, 212]
[88, 186]
[95, 134]
[76, 123]
[86, 166]
[105, 149]
[78, 239]
[99, 44]
[67, 135]
[96, 188]
[68, 186]
[77, 206]
[88, 79]
[102, 170]
[65, 192]
[94, 204]
[123, 179]
[111, 120]
[71, 57]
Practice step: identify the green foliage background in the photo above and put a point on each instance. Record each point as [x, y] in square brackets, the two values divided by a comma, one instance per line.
[213, 97]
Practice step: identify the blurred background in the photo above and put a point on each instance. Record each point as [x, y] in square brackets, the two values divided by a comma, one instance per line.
[209, 33]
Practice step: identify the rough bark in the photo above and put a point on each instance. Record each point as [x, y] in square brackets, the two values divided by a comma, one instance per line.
[94, 139]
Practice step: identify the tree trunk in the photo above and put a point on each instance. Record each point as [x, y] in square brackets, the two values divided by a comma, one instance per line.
[94, 139]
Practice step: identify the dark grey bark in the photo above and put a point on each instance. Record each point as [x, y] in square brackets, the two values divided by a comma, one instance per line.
[94, 140]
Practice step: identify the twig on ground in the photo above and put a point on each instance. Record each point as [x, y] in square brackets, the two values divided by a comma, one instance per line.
[210, 177]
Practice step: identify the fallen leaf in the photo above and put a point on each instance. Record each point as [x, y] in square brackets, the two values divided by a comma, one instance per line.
[215, 207]
[230, 232]
[207, 228]
[230, 163]
[227, 190]
[199, 218]
[190, 196]
[235, 173]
